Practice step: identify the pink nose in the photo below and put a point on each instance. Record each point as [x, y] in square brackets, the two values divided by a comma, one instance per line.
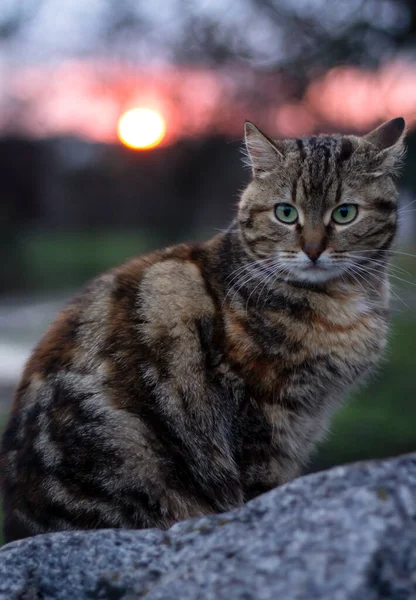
[313, 250]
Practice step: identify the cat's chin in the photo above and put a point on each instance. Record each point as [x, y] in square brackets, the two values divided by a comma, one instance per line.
[315, 274]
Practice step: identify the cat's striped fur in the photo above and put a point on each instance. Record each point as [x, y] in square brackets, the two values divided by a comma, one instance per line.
[192, 379]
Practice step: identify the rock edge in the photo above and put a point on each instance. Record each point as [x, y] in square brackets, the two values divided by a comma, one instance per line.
[347, 533]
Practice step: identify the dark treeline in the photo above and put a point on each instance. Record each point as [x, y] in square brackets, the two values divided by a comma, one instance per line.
[66, 185]
[172, 193]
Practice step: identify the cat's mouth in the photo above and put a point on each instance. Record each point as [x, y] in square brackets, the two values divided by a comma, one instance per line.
[316, 271]
[301, 268]
[314, 267]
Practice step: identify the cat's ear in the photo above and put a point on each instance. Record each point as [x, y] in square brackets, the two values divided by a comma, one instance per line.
[388, 134]
[262, 154]
[388, 139]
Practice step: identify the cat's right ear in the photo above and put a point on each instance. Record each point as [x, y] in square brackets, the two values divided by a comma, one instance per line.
[388, 140]
[387, 135]
[261, 154]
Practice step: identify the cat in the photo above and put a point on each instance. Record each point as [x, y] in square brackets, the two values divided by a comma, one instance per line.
[190, 380]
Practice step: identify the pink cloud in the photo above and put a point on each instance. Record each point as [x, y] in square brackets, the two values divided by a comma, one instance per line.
[85, 99]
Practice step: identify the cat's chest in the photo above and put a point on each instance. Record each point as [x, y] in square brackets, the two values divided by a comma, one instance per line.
[276, 351]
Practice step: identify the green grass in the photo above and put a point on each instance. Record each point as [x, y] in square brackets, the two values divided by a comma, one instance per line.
[379, 421]
[67, 259]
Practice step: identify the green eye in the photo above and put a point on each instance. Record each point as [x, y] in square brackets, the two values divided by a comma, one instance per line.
[286, 213]
[345, 213]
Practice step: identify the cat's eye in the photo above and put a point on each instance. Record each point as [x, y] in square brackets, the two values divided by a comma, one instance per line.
[286, 213]
[344, 214]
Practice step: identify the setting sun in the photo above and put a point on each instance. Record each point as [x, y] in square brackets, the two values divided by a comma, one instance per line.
[141, 128]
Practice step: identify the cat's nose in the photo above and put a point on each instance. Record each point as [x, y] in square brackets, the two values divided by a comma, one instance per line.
[313, 250]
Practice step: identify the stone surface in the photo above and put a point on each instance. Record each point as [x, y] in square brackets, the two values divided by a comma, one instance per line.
[347, 533]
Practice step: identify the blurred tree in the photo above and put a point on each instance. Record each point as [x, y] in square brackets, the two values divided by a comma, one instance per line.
[19, 174]
[288, 42]
[14, 15]
[302, 39]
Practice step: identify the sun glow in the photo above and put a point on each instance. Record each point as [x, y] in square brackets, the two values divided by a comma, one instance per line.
[141, 128]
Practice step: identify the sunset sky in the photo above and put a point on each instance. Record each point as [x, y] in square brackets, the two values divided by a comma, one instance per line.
[58, 76]
[86, 99]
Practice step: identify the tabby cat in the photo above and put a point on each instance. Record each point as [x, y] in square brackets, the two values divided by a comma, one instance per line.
[190, 380]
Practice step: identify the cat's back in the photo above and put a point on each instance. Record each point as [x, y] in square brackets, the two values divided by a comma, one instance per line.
[153, 293]
[82, 408]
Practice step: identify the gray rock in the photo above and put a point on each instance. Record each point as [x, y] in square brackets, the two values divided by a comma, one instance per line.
[347, 533]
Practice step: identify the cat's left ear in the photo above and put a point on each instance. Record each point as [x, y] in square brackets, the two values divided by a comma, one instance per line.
[262, 153]
[388, 139]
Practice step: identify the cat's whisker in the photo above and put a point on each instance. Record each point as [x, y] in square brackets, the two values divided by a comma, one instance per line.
[375, 271]
[399, 253]
[235, 276]
[406, 205]
[353, 275]
[265, 269]
[385, 264]
[370, 271]
[271, 279]
[239, 269]
[388, 265]
[237, 282]
[277, 270]
[365, 275]
[255, 288]
[238, 285]
[272, 270]
[389, 251]
[244, 282]
[250, 265]
[381, 280]
[401, 279]
[274, 279]
[367, 282]
[252, 292]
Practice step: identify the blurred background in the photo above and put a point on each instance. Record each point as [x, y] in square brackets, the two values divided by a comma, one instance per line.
[120, 130]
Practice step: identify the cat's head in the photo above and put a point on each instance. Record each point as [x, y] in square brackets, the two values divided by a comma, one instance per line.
[319, 207]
